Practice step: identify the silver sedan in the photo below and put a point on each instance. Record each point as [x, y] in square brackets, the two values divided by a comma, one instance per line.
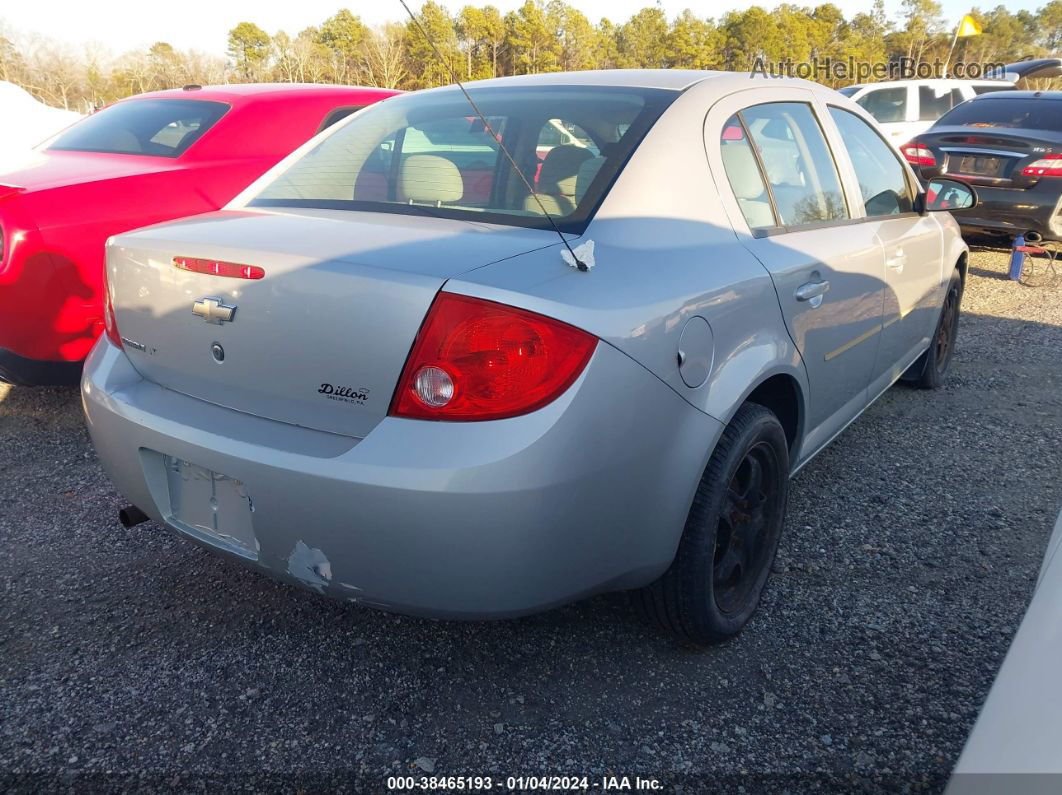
[478, 362]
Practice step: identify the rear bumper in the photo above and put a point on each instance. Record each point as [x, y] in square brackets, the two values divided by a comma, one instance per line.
[15, 369]
[470, 520]
[1012, 212]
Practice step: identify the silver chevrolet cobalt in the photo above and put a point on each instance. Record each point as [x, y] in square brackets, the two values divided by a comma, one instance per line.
[480, 361]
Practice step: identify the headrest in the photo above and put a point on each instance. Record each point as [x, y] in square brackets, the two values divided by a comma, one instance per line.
[560, 167]
[587, 171]
[429, 178]
[742, 171]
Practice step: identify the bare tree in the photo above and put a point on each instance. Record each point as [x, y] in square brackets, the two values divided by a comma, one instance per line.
[385, 57]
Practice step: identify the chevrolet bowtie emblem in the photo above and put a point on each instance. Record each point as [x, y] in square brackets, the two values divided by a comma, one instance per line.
[212, 310]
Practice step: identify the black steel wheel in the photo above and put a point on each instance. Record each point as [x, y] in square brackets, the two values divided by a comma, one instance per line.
[931, 368]
[724, 557]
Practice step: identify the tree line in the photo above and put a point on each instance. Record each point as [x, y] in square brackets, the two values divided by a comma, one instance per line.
[539, 36]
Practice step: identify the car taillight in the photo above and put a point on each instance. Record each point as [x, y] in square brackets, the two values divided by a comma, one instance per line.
[480, 360]
[918, 155]
[1046, 166]
[110, 325]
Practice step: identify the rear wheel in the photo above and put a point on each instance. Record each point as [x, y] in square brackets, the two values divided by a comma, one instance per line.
[724, 557]
[931, 368]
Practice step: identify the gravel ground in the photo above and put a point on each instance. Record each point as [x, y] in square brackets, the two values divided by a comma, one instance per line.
[910, 551]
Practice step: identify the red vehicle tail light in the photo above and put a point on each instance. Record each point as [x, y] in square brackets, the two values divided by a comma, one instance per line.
[480, 360]
[232, 270]
[1046, 166]
[917, 154]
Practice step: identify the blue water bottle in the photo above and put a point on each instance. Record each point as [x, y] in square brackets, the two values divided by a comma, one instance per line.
[1017, 258]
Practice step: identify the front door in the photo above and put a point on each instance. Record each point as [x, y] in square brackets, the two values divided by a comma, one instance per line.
[912, 245]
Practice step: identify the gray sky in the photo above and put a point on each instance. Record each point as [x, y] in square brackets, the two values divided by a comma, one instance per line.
[203, 24]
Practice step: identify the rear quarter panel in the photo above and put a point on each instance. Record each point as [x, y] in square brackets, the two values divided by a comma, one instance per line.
[665, 252]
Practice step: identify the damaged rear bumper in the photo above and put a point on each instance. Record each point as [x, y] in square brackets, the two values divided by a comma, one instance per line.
[471, 520]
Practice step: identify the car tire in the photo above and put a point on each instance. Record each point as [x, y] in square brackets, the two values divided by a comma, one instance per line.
[724, 557]
[930, 370]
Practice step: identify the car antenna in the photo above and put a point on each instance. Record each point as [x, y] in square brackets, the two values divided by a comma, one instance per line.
[490, 130]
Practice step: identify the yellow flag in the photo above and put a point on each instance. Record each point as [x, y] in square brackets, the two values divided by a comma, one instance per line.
[968, 27]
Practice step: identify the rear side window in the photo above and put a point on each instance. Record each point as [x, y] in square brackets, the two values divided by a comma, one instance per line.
[797, 163]
[158, 127]
[338, 115]
[1006, 112]
[885, 104]
[935, 102]
[744, 175]
[882, 178]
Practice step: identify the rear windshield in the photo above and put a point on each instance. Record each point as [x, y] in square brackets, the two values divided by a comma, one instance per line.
[430, 154]
[1032, 114]
[159, 127]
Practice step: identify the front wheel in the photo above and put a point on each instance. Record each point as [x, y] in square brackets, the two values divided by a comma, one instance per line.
[931, 368]
[728, 545]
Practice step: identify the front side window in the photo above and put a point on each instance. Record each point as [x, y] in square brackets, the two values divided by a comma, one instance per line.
[158, 127]
[430, 154]
[885, 104]
[882, 179]
[797, 163]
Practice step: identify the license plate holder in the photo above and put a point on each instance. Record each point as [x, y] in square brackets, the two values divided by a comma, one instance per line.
[980, 165]
[211, 506]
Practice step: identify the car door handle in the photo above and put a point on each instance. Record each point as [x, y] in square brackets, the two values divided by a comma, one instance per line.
[812, 292]
[897, 260]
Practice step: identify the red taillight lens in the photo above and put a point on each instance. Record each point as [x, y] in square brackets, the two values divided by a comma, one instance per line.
[918, 155]
[480, 360]
[233, 270]
[110, 325]
[1046, 166]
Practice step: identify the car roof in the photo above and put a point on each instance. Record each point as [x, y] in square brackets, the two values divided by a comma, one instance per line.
[242, 93]
[932, 83]
[1020, 95]
[675, 79]
[667, 79]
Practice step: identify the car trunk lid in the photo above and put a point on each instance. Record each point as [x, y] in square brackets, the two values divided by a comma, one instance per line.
[989, 155]
[44, 169]
[320, 340]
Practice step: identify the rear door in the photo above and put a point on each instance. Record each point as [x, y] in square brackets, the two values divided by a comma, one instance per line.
[788, 208]
[912, 244]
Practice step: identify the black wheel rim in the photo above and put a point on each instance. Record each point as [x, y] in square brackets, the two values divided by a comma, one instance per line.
[945, 341]
[743, 540]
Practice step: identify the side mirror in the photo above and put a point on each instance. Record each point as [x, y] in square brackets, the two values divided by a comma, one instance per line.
[945, 194]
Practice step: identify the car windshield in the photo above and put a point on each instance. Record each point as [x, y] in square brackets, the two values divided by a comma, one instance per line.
[430, 154]
[1030, 114]
[159, 127]
[849, 90]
